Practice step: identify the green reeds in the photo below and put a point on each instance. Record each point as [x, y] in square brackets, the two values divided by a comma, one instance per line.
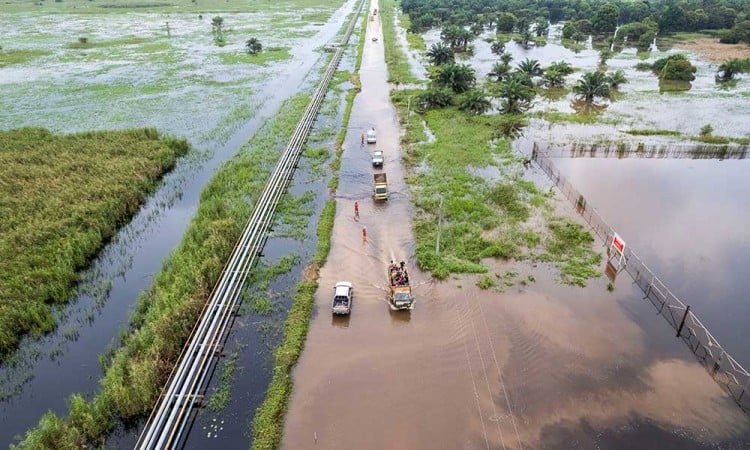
[62, 197]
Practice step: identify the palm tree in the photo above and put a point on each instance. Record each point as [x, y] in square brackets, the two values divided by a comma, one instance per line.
[541, 27]
[435, 97]
[531, 67]
[506, 58]
[728, 69]
[497, 47]
[464, 38]
[615, 79]
[499, 71]
[553, 78]
[475, 101]
[561, 66]
[592, 85]
[516, 96]
[253, 46]
[217, 24]
[526, 37]
[440, 54]
[450, 36]
[458, 77]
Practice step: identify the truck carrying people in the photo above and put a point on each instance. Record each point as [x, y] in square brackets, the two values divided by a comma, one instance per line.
[400, 292]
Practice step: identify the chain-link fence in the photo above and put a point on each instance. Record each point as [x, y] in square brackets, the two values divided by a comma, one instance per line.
[722, 366]
[606, 149]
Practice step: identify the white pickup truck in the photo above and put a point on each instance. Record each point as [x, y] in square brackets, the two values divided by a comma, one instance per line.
[371, 138]
[377, 158]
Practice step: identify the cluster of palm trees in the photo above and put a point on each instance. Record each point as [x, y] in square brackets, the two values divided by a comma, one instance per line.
[455, 83]
[457, 38]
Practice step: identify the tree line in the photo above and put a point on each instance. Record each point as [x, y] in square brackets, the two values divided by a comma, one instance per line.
[731, 18]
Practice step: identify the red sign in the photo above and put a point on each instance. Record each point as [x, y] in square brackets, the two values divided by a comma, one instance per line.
[618, 243]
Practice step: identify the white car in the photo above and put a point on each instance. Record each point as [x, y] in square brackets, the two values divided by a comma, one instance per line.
[377, 158]
[371, 137]
[343, 293]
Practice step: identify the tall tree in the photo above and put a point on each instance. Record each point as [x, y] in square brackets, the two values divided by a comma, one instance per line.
[606, 17]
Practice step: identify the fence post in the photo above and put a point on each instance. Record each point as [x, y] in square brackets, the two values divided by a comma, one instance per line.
[682, 324]
[717, 364]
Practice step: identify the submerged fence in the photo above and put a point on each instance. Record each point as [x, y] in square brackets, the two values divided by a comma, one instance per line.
[720, 364]
[608, 149]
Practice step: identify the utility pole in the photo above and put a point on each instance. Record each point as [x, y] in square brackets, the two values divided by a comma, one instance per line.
[440, 224]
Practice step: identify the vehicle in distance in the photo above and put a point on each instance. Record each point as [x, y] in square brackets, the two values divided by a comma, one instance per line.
[380, 186]
[377, 158]
[371, 137]
[342, 298]
[400, 294]
[374, 39]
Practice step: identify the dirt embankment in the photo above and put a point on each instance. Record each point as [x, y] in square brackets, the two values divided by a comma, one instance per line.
[713, 50]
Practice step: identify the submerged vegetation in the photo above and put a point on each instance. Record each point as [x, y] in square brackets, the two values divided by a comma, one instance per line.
[62, 197]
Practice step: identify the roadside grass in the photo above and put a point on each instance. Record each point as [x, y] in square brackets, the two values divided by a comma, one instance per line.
[482, 217]
[398, 65]
[268, 55]
[415, 40]
[15, 56]
[62, 198]
[165, 314]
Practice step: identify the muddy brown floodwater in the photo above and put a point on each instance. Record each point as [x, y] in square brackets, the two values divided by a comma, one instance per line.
[544, 366]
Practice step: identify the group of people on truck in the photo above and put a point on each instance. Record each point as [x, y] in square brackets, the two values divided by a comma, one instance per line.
[398, 273]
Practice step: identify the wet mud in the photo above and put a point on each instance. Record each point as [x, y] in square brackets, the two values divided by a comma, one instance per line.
[528, 365]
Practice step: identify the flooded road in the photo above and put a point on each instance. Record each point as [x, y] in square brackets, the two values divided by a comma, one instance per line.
[537, 366]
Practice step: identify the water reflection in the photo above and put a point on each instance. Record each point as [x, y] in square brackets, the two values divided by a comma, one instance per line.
[400, 317]
[339, 320]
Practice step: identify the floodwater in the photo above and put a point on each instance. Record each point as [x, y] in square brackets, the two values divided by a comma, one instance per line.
[537, 366]
[48, 370]
[642, 104]
[687, 220]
